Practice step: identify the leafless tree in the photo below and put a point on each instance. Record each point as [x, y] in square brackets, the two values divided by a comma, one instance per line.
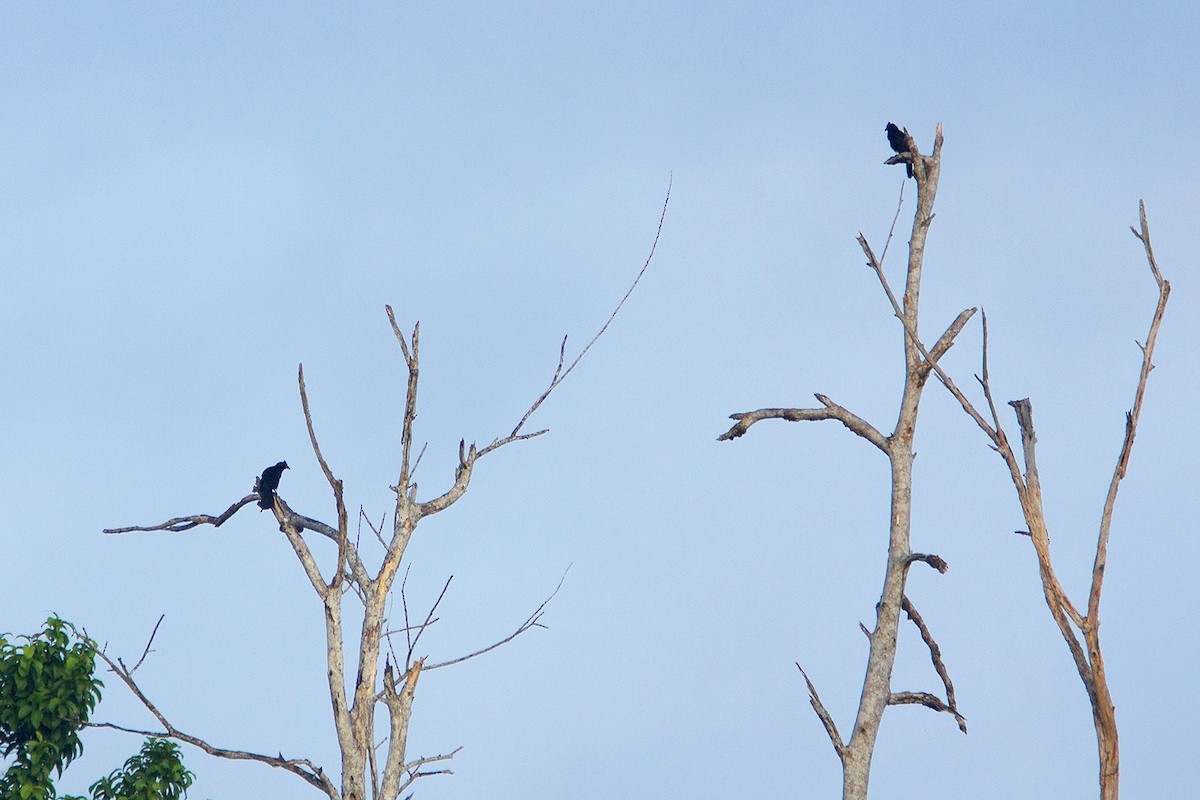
[1080, 630]
[897, 446]
[386, 674]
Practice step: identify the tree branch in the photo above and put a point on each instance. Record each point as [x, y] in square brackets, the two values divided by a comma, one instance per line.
[830, 728]
[179, 524]
[302, 767]
[831, 410]
[532, 621]
[1131, 419]
[334, 483]
[935, 653]
[559, 373]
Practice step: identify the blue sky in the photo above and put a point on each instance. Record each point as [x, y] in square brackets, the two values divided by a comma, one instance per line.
[200, 198]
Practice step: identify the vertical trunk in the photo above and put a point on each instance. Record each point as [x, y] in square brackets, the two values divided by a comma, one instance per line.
[1105, 717]
[877, 685]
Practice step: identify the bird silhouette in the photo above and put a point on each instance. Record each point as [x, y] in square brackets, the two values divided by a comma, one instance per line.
[267, 483]
[898, 139]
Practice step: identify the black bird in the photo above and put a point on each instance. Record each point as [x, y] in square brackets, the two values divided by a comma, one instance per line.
[898, 139]
[268, 482]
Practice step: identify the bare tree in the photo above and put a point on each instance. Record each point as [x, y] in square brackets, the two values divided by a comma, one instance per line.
[897, 446]
[362, 773]
[1080, 630]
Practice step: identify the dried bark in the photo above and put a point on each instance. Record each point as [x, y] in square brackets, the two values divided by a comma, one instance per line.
[354, 713]
[1080, 631]
[856, 753]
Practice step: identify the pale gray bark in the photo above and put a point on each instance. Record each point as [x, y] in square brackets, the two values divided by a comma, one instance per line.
[354, 712]
[877, 694]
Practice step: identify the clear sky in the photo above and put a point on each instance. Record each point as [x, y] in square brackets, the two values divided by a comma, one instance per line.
[199, 197]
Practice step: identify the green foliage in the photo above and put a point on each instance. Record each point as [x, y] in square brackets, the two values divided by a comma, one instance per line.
[47, 692]
[156, 773]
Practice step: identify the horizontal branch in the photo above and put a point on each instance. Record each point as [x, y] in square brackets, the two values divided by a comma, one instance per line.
[178, 524]
[832, 411]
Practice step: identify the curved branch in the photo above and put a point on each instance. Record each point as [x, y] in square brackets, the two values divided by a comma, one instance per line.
[928, 700]
[561, 374]
[832, 410]
[302, 767]
[935, 653]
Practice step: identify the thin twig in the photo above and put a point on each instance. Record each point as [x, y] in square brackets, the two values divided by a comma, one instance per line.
[561, 374]
[149, 642]
[895, 219]
[428, 620]
[830, 728]
[532, 621]
[413, 767]
[334, 483]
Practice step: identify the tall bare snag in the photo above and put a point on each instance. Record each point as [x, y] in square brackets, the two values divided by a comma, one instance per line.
[383, 671]
[877, 693]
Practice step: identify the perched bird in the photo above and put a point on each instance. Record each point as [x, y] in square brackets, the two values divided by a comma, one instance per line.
[898, 139]
[268, 482]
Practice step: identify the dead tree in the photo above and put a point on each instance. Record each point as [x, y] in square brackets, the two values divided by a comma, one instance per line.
[385, 671]
[897, 446]
[1080, 630]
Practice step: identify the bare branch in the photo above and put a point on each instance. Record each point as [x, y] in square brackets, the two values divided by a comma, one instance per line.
[935, 653]
[179, 524]
[428, 620]
[532, 621]
[412, 361]
[934, 561]
[895, 219]
[831, 410]
[561, 374]
[830, 728]
[303, 767]
[1031, 501]
[462, 478]
[946, 340]
[1131, 419]
[149, 642]
[928, 700]
[334, 483]
[413, 767]
[1000, 439]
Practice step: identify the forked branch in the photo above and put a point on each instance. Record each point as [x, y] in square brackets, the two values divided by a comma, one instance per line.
[303, 767]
